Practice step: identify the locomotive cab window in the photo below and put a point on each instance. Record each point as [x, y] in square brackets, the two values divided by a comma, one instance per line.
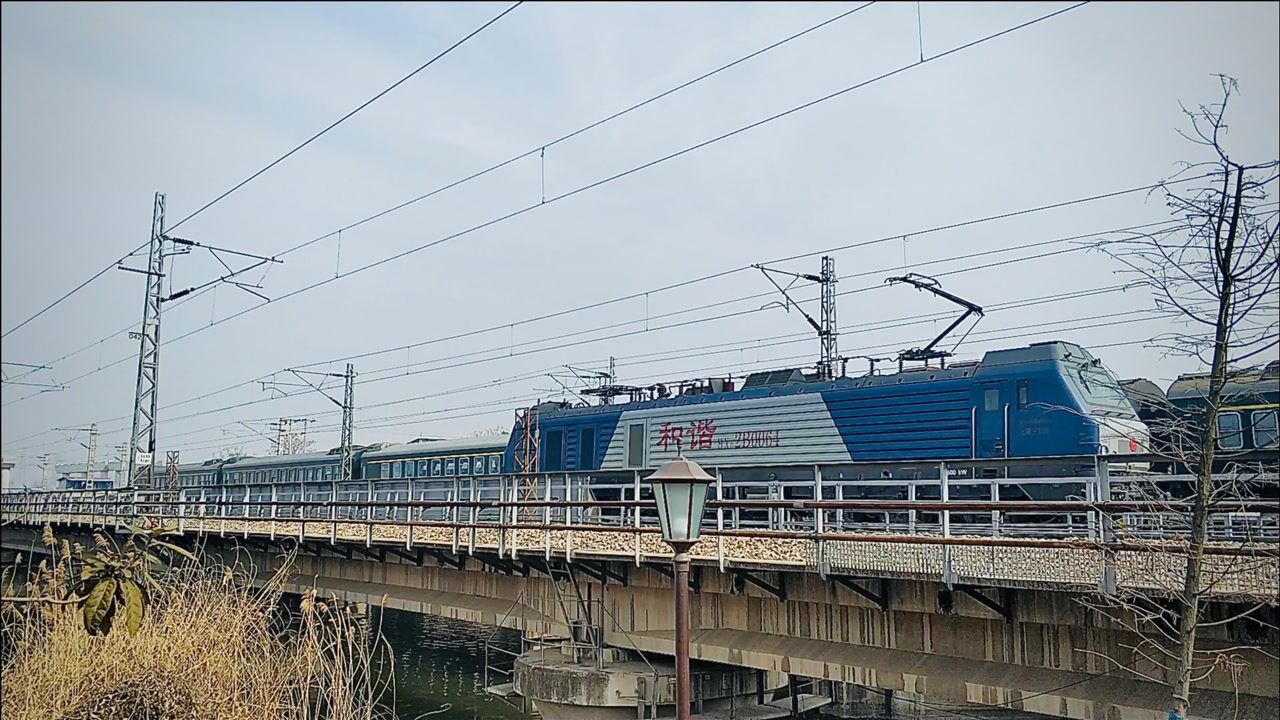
[1264, 429]
[635, 445]
[1022, 395]
[991, 399]
[1230, 435]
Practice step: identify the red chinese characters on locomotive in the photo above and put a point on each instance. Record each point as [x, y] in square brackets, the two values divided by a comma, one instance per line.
[701, 435]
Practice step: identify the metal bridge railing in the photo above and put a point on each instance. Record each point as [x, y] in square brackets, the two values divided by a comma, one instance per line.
[813, 516]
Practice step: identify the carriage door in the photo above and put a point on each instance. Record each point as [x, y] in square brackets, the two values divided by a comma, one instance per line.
[991, 434]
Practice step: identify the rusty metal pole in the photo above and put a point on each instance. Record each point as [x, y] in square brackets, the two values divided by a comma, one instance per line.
[683, 693]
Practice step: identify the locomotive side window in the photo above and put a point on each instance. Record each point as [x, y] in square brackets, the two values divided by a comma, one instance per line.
[1230, 436]
[1264, 429]
[991, 399]
[635, 445]
[553, 459]
[1022, 395]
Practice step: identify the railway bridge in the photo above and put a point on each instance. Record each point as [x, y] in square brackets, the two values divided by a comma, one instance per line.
[921, 582]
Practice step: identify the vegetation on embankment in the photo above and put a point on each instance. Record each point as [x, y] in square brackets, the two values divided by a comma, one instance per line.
[207, 645]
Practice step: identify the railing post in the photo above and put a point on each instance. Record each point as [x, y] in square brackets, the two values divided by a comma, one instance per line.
[275, 509]
[546, 516]
[408, 516]
[635, 512]
[368, 513]
[473, 494]
[1102, 491]
[819, 546]
[455, 513]
[568, 519]
[995, 497]
[502, 513]
[911, 514]
[333, 513]
[222, 511]
[719, 519]
[948, 577]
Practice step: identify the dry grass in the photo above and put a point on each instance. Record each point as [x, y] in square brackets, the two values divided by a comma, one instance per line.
[210, 646]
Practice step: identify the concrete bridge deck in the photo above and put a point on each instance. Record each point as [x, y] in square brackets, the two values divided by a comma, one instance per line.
[1000, 622]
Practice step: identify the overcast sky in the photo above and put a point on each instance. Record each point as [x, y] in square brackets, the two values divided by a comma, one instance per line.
[103, 105]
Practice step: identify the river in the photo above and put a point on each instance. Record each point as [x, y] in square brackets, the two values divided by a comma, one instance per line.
[439, 662]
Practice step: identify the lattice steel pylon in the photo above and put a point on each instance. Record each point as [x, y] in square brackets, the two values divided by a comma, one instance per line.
[171, 470]
[830, 330]
[526, 455]
[348, 421]
[142, 442]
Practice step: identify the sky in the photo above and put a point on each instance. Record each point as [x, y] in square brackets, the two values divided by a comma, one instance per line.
[104, 105]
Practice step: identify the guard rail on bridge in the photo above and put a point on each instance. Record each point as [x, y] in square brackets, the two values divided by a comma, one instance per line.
[949, 521]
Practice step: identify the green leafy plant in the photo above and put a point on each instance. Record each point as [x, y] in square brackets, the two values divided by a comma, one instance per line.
[117, 579]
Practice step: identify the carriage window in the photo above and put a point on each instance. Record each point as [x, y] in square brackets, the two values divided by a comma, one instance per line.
[635, 445]
[553, 457]
[373, 471]
[422, 468]
[586, 448]
[1264, 429]
[395, 469]
[1022, 395]
[448, 467]
[991, 399]
[495, 464]
[464, 466]
[1230, 436]
[437, 468]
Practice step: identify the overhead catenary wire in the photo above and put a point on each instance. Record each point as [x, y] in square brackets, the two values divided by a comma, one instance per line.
[502, 406]
[995, 336]
[267, 167]
[650, 328]
[626, 173]
[541, 147]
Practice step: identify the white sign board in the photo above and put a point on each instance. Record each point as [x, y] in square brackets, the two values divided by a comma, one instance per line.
[142, 458]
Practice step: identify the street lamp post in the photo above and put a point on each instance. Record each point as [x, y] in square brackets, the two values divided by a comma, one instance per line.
[680, 490]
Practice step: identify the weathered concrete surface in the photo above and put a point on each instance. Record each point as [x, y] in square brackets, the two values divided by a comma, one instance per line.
[1048, 656]
[563, 690]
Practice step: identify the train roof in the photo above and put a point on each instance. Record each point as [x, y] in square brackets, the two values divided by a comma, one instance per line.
[483, 443]
[794, 381]
[311, 458]
[1253, 381]
[1142, 393]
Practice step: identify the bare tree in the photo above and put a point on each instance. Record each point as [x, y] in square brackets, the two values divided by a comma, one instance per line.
[1215, 272]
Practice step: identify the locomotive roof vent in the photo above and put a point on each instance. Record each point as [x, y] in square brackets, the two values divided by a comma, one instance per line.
[773, 377]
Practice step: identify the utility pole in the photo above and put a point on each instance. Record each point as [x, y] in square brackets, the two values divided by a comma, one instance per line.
[347, 404]
[826, 327]
[830, 330]
[171, 470]
[348, 421]
[91, 446]
[43, 462]
[289, 440]
[142, 440]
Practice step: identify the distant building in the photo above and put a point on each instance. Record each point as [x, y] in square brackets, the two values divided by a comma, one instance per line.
[6, 476]
[107, 475]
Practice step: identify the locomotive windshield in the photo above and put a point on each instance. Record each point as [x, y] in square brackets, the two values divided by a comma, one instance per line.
[1100, 389]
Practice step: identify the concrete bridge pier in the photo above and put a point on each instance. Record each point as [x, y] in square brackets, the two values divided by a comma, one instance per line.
[626, 687]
